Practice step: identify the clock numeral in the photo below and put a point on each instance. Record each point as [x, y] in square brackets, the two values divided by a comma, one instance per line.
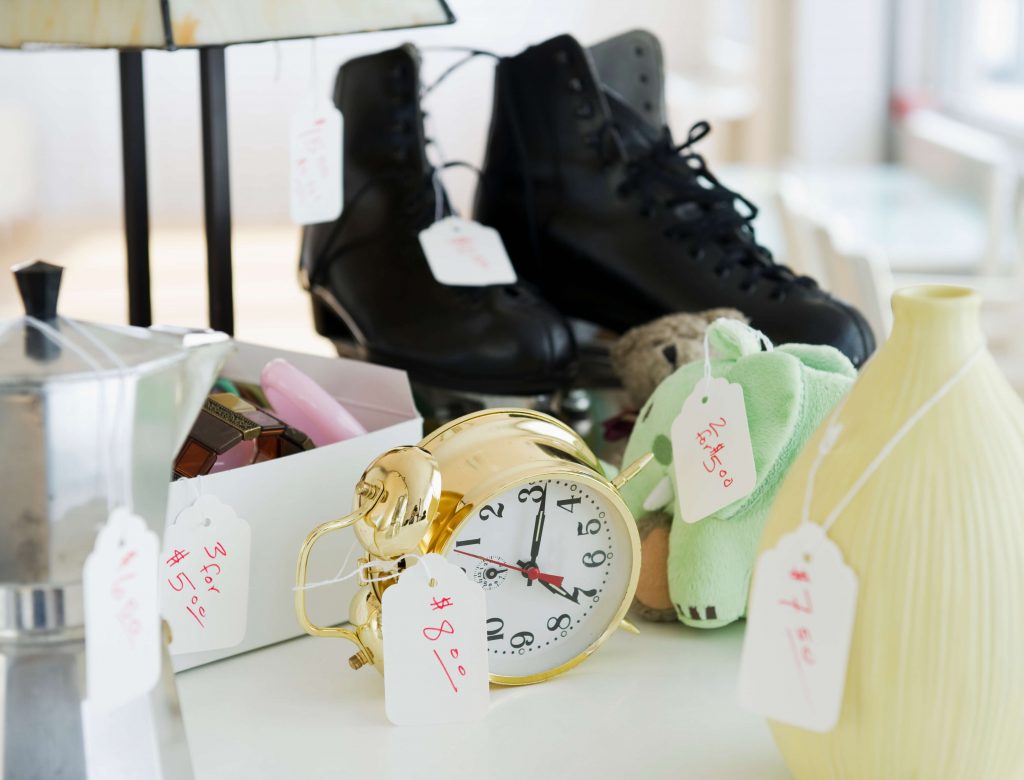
[559, 623]
[522, 639]
[592, 527]
[495, 633]
[535, 494]
[465, 542]
[574, 597]
[489, 510]
[591, 560]
[569, 504]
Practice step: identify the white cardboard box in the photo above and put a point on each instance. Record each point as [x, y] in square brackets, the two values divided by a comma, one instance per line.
[283, 500]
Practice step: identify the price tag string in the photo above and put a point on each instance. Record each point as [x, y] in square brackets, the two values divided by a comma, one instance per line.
[765, 341]
[834, 429]
[381, 566]
[118, 491]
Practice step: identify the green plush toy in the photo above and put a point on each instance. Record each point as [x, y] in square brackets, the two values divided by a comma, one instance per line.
[787, 392]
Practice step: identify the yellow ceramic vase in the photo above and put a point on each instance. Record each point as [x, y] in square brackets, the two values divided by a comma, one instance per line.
[935, 686]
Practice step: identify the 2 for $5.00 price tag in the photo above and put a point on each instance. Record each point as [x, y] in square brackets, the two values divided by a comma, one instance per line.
[204, 577]
[435, 646]
[711, 450]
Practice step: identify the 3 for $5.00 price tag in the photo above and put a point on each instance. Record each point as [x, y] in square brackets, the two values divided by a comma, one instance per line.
[711, 450]
[435, 646]
[204, 577]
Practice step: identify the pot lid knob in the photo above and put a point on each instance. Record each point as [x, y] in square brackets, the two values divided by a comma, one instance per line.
[39, 285]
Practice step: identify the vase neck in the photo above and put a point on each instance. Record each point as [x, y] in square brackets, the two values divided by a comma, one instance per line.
[936, 323]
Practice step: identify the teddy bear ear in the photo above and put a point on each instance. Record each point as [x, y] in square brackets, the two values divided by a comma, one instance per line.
[732, 339]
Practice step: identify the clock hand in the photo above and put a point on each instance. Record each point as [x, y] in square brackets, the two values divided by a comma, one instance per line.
[538, 530]
[574, 597]
[532, 572]
[538, 527]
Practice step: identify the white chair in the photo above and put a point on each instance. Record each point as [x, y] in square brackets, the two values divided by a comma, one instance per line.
[858, 275]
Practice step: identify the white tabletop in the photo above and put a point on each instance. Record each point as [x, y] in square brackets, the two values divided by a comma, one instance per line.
[658, 705]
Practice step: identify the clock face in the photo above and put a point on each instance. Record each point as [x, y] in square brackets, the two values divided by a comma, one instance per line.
[555, 560]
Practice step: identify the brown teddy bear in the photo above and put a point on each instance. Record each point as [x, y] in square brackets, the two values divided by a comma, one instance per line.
[642, 358]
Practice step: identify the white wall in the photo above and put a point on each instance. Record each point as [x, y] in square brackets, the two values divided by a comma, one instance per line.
[840, 80]
[72, 99]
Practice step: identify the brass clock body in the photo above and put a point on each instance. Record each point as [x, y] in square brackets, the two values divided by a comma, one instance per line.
[418, 500]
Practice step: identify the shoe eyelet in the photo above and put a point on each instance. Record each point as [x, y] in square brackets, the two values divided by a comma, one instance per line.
[575, 85]
[584, 111]
[643, 78]
[639, 51]
[779, 295]
[648, 213]
[622, 191]
[648, 106]
[562, 57]
[747, 289]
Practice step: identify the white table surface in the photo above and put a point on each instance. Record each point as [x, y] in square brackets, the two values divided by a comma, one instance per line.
[658, 705]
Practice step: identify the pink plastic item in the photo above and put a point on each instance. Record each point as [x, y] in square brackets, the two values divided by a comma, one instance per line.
[303, 404]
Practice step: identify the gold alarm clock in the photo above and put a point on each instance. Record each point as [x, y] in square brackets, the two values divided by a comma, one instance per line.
[520, 503]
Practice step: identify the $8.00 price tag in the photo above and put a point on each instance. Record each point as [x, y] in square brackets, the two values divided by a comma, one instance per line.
[435, 646]
[711, 450]
[122, 622]
[315, 163]
[802, 605]
[462, 252]
[204, 577]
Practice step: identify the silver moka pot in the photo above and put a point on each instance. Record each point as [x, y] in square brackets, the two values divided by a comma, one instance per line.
[89, 414]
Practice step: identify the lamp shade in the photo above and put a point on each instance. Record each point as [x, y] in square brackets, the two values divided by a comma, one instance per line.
[172, 24]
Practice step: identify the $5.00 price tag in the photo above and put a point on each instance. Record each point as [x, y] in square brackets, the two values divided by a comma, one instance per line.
[802, 604]
[435, 646]
[204, 577]
[122, 636]
[711, 450]
[465, 253]
[315, 163]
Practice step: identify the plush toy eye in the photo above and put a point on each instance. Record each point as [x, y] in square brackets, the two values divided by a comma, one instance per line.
[671, 354]
[662, 449]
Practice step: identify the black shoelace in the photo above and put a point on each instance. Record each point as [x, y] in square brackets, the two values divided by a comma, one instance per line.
[706, 212]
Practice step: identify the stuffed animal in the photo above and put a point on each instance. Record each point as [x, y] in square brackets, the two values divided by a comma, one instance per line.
[643, 356]
[787, 391]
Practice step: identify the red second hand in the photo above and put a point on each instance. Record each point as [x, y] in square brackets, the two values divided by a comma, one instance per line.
[533, 572]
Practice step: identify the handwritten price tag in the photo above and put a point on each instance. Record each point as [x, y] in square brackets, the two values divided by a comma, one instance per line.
[802, 605]
[711, 450]
[122, 623]
[465, 253]
[315, 164]
[435, 646]
[121, 744]
[204, 577]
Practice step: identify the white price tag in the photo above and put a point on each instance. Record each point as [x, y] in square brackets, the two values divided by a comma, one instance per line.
[711, 450]
[799, 624]
[204, 577]
[465, 253]
[122, 622]
[435, 646]
[121, 744]
[315, 163]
